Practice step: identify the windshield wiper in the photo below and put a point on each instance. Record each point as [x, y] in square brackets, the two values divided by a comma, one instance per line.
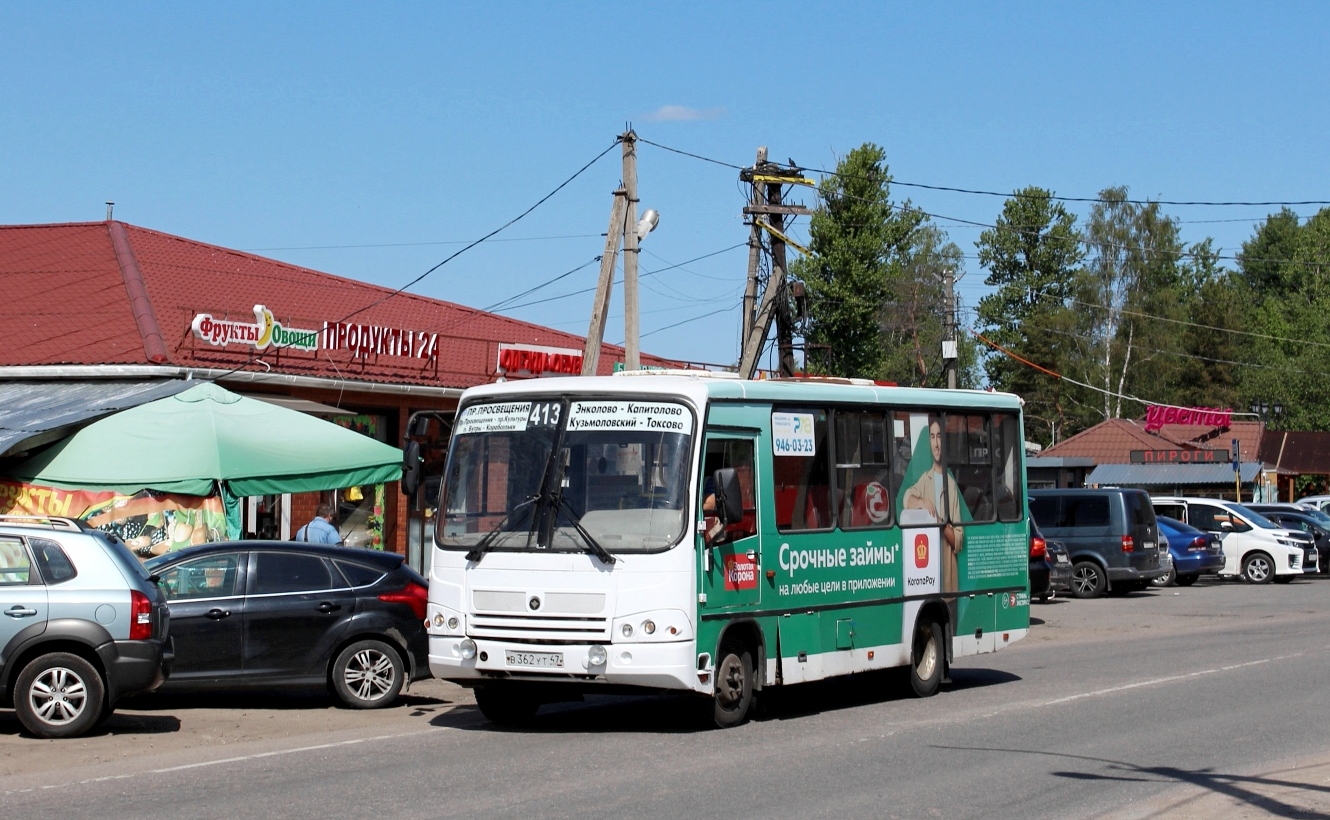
[593, 546]
[483, 545]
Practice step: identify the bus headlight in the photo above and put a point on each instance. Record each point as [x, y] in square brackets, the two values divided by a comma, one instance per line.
[596, 655]
[653, 626]
[468, 648]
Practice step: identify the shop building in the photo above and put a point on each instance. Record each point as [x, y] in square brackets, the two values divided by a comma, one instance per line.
[96, 313]
[1195, 459]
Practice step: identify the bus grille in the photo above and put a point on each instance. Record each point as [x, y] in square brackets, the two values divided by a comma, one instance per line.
[543, 628]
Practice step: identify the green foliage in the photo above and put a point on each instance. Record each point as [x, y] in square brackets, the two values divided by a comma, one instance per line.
[1287, 269]
[876, 282]
[1031, 254]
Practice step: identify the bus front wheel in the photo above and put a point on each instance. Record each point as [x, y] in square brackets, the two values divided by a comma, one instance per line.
[506, 706]
[927, 660]
[734, 686]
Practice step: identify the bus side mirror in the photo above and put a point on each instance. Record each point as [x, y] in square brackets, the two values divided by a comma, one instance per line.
[729, 498]
[412, 466]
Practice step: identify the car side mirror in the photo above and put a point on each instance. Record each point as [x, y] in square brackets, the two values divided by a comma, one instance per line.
[1226, 525]
[412, 466]
[729, 497]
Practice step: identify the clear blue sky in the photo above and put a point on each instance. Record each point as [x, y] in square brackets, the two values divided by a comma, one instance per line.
[297, 130]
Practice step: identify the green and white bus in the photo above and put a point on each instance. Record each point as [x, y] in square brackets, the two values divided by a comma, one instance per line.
[692, 532]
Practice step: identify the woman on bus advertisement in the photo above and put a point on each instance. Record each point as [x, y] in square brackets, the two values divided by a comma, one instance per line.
[927, 486]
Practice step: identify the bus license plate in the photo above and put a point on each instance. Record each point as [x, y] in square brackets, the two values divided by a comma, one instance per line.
[543, 660]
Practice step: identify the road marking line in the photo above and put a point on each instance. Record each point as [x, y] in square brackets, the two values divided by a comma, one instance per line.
[278, 752]
[1169, 679]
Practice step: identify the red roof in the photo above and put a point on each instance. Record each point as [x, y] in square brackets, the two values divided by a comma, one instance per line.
[1111, 441]
[113, 293]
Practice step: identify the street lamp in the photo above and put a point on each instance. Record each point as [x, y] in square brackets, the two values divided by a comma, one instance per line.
[1266, 411]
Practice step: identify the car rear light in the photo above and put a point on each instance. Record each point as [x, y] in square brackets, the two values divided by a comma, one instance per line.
[140, 616]
[1198, 544]
[413, 595]
[1038, 547]
[1128, 543]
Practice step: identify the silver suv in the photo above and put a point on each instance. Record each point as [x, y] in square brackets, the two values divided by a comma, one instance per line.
[83, 625]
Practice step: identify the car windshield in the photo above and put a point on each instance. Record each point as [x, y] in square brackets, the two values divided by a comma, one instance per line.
[527, 475]
[1256, 518]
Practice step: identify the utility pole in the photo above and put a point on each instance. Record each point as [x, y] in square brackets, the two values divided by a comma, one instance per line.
[754, 255]
[631, 357]
[601, 306]
[949, 353]
[623, 226]
[768, 211]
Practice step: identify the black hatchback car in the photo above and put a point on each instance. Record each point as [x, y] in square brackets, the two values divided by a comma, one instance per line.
[267, 613]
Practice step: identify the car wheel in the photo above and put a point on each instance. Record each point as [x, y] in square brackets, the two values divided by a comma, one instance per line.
[1187, 580]
[927, 660]
[59, 695]
[733, 697]
[1088, 580]
[1258, 568]
[1043, 597]
[367, 675]
[1165, 580]
[506, 705]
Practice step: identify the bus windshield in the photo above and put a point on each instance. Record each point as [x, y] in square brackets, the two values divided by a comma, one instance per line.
[527, 475]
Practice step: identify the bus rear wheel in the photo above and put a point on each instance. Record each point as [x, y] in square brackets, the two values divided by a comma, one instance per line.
[506, 705]
[927, 659]
[733, 698]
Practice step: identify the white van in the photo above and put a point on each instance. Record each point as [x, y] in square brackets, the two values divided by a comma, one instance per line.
[1254, 546]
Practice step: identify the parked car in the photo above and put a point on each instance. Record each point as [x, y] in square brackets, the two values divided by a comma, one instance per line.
[85, 625]
[1311, 521]
[267, 613]
[1255, 548]
[1059, 577]
[1111, 535]
[1194, 552]
[1316, 502]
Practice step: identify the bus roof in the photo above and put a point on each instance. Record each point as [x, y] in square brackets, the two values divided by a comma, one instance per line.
[699, 387]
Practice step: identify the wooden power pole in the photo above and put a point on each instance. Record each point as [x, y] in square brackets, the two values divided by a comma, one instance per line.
[768, 211]
[623, 226]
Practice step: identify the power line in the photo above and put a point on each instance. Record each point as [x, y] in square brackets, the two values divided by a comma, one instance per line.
[617, 281]
[476, 242]
[593, 260]
[418, 244]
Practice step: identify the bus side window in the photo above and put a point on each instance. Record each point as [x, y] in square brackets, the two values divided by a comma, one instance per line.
[969, 457]
[737, 454]
[803, 480]
[863, 470]
[1006, 432]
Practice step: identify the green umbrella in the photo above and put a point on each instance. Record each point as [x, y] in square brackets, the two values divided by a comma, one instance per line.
[208, 435]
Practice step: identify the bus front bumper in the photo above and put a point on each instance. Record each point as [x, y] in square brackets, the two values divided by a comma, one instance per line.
[657, 665]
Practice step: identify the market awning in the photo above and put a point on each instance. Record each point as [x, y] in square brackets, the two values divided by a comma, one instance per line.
[187, 442]
[33, 413]
[1165, 475]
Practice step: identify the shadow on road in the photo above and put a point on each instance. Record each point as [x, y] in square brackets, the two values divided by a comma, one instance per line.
[117, 724]
[678, 713]
[280, 699]
[1235, 786]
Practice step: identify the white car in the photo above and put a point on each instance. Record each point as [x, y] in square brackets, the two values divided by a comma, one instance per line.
[1255, 548]
[1317, 502]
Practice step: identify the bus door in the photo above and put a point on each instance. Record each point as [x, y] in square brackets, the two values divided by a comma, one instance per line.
[731, 557]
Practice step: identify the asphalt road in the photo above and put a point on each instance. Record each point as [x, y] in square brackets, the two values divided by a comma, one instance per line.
[1208, 701]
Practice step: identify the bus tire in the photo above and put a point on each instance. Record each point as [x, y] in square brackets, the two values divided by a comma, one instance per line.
[733, 698]
[926, 659]
[506, 706]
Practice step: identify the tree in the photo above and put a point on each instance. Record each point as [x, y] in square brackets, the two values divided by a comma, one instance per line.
[1031, 255]
[856, 236]
[1287, 268]
[915, 314]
